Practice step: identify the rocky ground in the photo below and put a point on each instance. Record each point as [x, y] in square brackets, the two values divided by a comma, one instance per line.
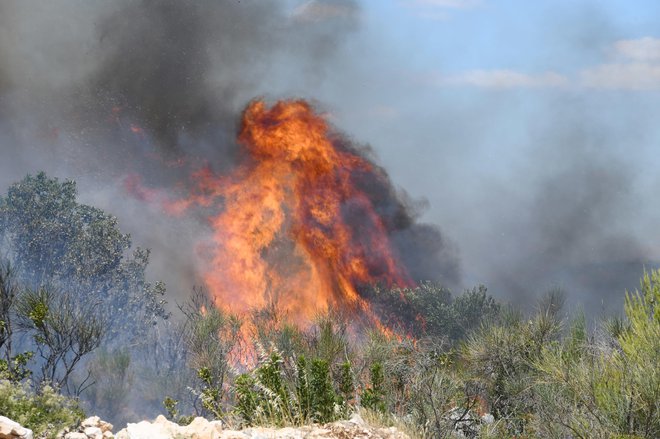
[200, 428]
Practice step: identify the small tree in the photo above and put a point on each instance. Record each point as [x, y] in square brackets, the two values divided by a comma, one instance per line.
[323, 395]
[374, 397]
[64, 331]
[210, 336]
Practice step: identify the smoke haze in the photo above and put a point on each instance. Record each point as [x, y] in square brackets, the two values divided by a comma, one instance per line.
[100, 91]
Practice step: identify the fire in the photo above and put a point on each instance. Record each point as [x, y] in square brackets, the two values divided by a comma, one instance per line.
[292, 228]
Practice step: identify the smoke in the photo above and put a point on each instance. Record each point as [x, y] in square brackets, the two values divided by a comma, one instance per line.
[98, 91]
[142, 93]
[574, 232]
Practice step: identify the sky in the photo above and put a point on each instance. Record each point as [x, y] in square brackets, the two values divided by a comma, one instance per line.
[524, 130]
[529, 127]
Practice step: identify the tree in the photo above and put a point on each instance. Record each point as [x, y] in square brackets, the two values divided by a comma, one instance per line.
[64, 330]
[53, 240]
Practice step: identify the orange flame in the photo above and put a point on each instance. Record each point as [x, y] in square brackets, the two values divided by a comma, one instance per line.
[293, 228]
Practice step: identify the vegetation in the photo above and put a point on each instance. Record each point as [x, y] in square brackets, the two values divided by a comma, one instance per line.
[52, 240]
[68, 286]
[454, 366]
[46, 413]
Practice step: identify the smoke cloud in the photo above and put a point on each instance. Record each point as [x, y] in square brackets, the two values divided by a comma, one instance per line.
[140, 94]
[100, 91]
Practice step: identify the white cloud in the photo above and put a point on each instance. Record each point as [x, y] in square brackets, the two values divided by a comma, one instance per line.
[636, 67]
[645, 49]
[504, 79]
[631, 76]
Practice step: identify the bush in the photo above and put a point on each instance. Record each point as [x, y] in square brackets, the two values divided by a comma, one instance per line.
[45, 413]
[612, 388]
[429, 310]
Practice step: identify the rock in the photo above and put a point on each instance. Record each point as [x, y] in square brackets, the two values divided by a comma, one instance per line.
[91, 428]
[13, 430]
[95, 421]
[200, 428]
[93, 433]
[144, 430]
[92, 421]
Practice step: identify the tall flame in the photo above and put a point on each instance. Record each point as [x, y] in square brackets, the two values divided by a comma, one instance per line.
[293, 228]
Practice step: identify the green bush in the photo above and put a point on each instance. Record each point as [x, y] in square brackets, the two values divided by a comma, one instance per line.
[373, 397]
[611, 388]
[45, 413]
[430, 310]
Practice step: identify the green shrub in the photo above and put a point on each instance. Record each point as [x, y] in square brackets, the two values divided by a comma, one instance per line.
[323, 395]
[501, 355]
[373, 398]
[346, 385]
[303, 393]
[45, 412]
[611, 389]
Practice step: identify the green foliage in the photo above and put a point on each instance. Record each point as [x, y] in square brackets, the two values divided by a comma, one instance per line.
[640, 356]
[262, 396]
[247, 399]
[323, 395]
[346, 385]
[440, 399]
[210, 336]
[8, 292]
[329, 340]
[303, 391]
[211, 393]
[16, 369]
[46, 412]
[64, 330]
[430, 310]
[612, 388]
[501, 357]
[272, 329]
[170, 407]
[373, 398]
[54, 240]
[267, 396]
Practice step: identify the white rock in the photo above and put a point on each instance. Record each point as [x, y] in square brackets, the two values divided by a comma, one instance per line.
[10, 429]
[75, 435]
[201, 428]
[93, 432]
[144, 430]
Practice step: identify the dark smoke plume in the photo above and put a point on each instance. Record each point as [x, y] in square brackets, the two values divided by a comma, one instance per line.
[145, 92]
